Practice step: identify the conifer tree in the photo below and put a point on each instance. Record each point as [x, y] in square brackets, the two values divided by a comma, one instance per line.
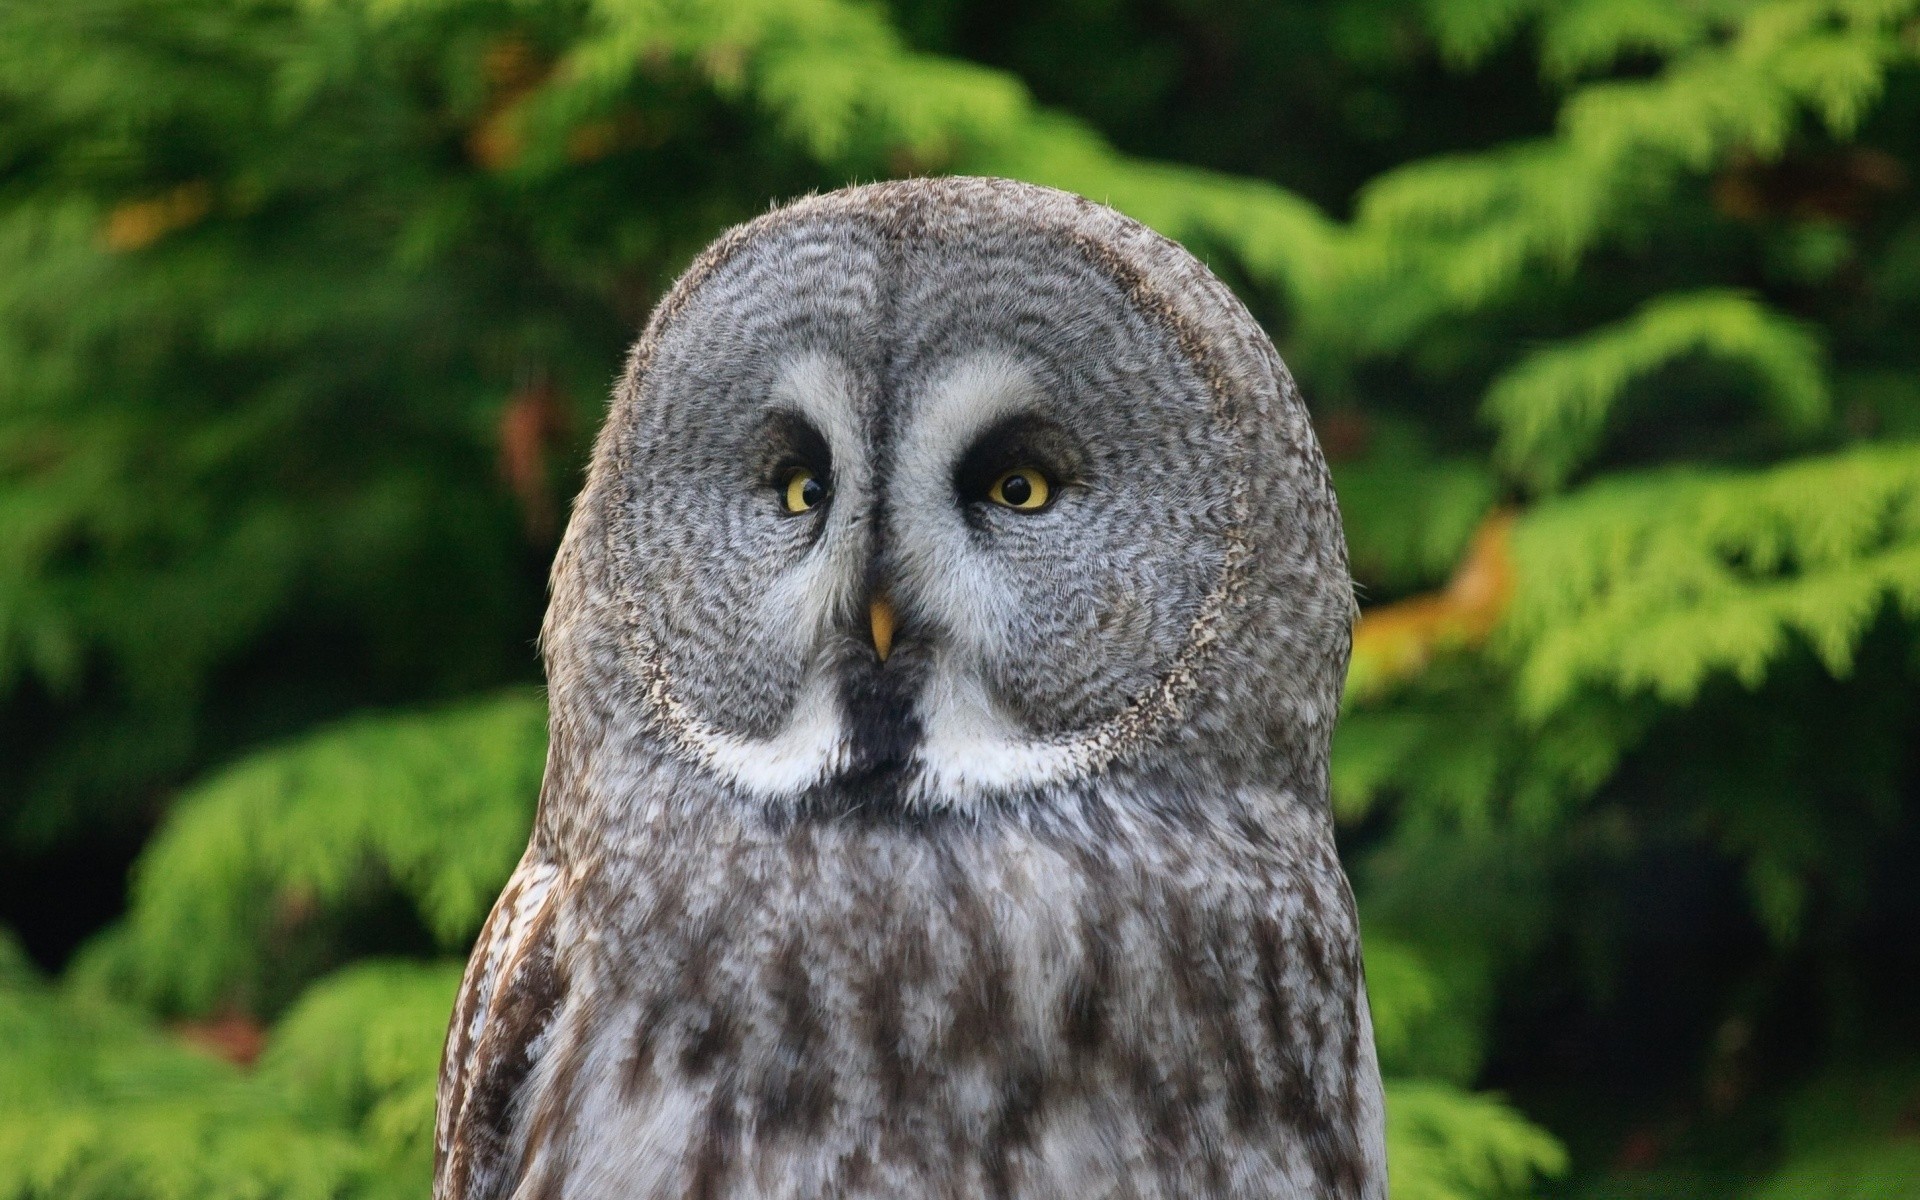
[1606, 310]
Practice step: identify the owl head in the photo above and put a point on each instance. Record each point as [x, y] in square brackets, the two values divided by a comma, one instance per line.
[951, 496]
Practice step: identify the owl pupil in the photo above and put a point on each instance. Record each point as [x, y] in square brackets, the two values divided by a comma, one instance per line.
[1016, 489]
[812, 492]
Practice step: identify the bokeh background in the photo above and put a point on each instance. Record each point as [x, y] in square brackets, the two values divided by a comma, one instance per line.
[1608, 312]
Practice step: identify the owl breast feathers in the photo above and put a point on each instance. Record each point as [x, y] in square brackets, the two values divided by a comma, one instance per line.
[943, 656]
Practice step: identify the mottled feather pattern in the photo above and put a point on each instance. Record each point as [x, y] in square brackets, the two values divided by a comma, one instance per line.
[509, 994]
[1046, 905]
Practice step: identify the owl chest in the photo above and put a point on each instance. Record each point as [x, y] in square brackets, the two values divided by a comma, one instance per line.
[1034, 1038]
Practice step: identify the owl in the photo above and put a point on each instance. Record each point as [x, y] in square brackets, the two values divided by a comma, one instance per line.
[943, 656]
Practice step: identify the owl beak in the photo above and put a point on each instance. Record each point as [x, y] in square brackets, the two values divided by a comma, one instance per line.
[880, 615]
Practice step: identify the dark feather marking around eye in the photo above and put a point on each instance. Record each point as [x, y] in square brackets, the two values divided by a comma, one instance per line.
[787, 440]
[1025, 440]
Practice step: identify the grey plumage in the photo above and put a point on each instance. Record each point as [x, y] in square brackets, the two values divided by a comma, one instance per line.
[1043, 905]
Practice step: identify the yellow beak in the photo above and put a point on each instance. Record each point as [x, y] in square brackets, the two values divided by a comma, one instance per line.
[880, 613]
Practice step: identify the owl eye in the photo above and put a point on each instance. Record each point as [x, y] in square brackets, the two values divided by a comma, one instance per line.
[1024, 489]
[802, 491]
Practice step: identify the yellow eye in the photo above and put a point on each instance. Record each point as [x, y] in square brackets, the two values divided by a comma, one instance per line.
[803, 490]
[1022, 488]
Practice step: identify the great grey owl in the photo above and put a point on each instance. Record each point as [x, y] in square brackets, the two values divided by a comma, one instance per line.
[943, 655]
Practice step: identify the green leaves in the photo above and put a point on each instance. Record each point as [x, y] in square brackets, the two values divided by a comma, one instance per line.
[1653, 582]
[96, 1105]
[1876, 1170]
[241, 895]
[362, 1050]
[1447, 1144]
[1554, 406]
[1410, 514]
[1467, 233]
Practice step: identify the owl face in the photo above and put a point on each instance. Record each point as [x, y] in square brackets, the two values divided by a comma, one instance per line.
[926, 512]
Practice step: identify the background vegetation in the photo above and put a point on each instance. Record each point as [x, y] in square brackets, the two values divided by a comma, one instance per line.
[1609, 311]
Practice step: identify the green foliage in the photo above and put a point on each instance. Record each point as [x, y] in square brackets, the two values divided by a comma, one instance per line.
[1411, 511]
[94, 1104]
[1655, 582]
[362, 1052]
[1552, 408]
[1877, 1170]
[1846, 1140]
[97, 1106]
[434, 807]
[1446, 1144]
[307, 309]
[1462, 233]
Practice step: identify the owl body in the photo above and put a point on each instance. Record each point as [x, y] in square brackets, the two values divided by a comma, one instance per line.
[943, 655]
